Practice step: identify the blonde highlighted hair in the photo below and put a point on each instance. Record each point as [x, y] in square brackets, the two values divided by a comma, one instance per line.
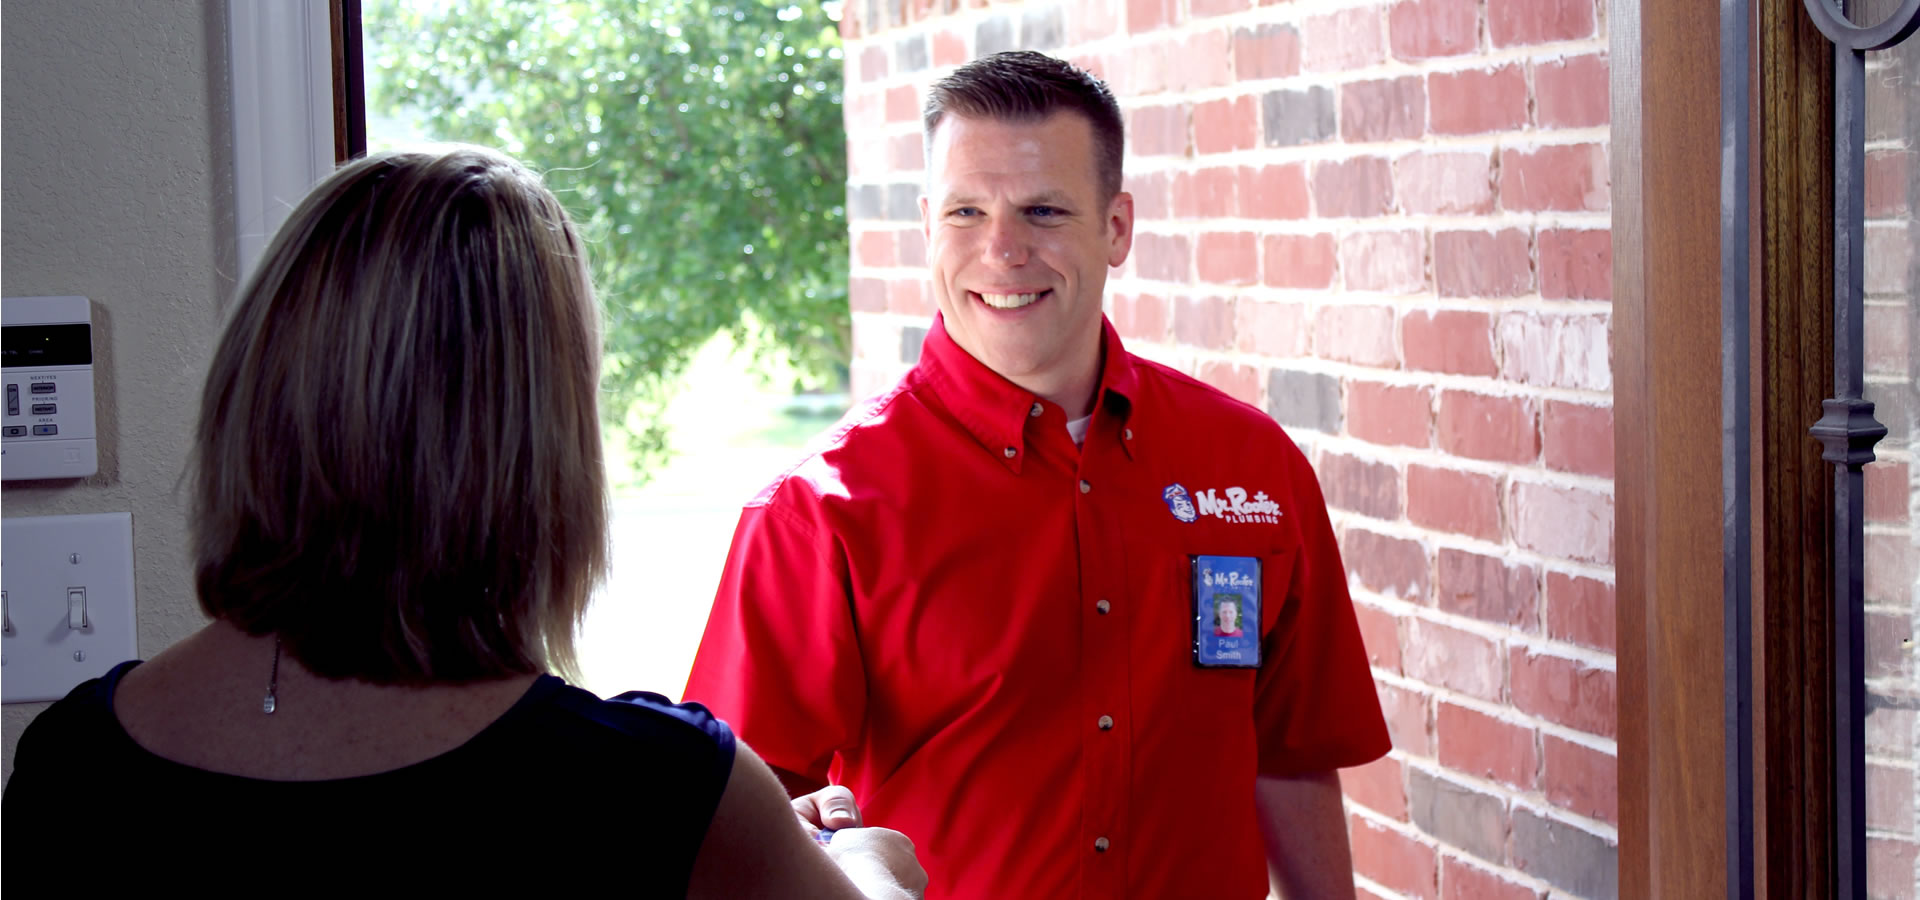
[397, 467]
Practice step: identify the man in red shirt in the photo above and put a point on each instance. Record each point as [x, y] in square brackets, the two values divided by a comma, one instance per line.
[987, 605]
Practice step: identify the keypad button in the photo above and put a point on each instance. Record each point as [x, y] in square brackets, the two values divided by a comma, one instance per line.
[16, 431]
[44, 430]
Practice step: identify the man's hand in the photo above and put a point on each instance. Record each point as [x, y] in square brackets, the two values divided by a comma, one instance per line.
[831, 808]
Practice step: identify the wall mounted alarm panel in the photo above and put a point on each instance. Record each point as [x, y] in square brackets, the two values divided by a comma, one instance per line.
[48, 350]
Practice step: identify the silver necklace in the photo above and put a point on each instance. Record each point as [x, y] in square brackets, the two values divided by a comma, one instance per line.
[273, 681]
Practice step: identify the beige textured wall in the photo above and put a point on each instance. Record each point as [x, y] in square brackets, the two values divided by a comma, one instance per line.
[118, 187]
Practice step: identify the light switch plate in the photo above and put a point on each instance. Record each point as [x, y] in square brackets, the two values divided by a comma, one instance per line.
[43, 560]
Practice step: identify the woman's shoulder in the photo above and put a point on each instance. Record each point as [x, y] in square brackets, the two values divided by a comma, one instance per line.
[635, 721]
[82, 720]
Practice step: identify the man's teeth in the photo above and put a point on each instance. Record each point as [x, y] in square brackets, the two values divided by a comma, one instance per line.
[1009, 301]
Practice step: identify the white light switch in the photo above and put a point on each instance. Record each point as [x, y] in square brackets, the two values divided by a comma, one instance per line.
[68, 591]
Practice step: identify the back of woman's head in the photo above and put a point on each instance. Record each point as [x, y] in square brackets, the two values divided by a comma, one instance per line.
[397, 465]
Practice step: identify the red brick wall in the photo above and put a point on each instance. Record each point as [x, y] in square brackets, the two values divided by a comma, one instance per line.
[1892, 547]
[1385, 223]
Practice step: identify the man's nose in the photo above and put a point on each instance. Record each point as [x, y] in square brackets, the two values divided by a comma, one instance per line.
[1007, 243]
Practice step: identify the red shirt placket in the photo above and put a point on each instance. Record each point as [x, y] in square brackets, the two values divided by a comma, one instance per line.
[1106, 717]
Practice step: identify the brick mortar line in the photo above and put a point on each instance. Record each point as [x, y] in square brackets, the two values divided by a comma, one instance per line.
[1519, 798]
[1415, 302]
[1484, 56]
[1490, 386]
[1511, 636]
[1506, 139]
[1319, 365]
[1440, 459]
[1507, 713]
[1518, 140]
[1889, 529]
[1594, 827]
[1525, 880]
[1489, 223]
[1405, 829]
[1409, 759]
[1401, 303]
[1295, 14]
[1344, 226]
[1508, 552]
[1376, 889]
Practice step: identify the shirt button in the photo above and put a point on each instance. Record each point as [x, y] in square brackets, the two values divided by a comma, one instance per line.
[1035, 411]
[1011, 452]
[1126, 433]
[1102, 606]
[1106, 723]
[1100, 845]
[1085, 487]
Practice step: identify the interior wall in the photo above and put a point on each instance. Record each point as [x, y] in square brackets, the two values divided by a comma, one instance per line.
[118, 187]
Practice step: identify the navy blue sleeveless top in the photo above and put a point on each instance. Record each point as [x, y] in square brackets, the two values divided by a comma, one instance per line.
[564, 792]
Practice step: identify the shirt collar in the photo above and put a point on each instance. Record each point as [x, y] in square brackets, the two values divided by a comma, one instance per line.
[997, 411]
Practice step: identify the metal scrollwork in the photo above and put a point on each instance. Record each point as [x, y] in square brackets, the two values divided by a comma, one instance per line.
[1832, 22]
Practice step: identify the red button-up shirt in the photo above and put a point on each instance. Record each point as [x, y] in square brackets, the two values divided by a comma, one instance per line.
[986, 632]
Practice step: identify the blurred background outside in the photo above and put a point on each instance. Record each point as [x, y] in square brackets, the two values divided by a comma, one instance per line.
[700, 148]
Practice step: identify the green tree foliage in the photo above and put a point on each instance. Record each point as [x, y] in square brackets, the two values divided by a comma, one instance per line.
[698, 142]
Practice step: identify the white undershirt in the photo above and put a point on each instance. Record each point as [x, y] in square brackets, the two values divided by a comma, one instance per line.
[1077, 429]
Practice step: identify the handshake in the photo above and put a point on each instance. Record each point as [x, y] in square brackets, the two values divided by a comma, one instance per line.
[874, 858]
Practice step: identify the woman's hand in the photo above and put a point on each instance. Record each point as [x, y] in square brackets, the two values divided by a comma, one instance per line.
[879, 860]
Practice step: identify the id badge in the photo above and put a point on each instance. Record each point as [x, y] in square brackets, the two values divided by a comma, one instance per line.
[1226, 612]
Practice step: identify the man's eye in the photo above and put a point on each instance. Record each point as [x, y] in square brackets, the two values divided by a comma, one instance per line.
[965, 212]
[1045, 212]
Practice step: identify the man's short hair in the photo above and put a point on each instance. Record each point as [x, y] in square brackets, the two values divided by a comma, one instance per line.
[397, 467]
[1024, 86]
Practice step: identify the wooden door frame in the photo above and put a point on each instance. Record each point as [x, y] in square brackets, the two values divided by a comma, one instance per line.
[1680, 814]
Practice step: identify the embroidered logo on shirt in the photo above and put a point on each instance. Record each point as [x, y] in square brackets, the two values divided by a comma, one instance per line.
[1178, 503]
[1236, 507]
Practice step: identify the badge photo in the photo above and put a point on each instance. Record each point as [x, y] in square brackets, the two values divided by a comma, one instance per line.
[1226, 611]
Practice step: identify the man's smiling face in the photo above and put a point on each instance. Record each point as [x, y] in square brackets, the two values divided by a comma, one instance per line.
[1019, 240]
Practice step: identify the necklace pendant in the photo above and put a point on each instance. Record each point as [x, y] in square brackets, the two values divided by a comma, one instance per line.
[266, 706]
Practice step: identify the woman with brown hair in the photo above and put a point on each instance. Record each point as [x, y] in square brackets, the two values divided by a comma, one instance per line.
[398, 515]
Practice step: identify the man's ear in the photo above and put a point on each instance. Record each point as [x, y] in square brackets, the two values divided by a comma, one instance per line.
[1119, 228]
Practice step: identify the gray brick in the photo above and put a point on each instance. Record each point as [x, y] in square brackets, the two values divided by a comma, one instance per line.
[865, 201]
[1566, 857]
[896, 13]
[910, 54]
[1458, 815]
[1297, 117]
[1042, 29]
[903, 202]
[911, 338]
[1304, 400]
[994, 35]
[1892, 407]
